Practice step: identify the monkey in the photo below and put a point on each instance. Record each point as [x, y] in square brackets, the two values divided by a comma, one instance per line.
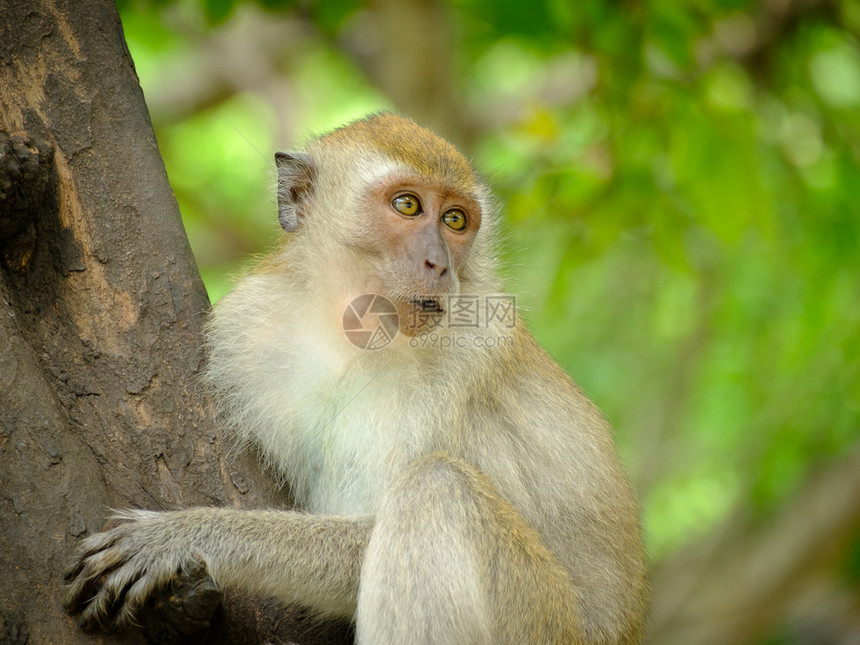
[452, 483]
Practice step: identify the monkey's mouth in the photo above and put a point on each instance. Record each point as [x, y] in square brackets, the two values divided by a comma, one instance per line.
[428, 304]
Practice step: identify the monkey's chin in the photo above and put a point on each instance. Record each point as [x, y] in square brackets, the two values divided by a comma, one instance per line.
[419, 313]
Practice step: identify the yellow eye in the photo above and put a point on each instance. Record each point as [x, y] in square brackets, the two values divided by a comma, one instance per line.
[407, 205]
[455, 219]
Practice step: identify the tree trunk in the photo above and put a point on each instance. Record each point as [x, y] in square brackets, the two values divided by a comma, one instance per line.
[101, 307]
[404, 48]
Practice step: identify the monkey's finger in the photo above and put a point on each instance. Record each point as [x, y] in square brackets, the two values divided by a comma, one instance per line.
[73, 570]
[78, 564]
[87, 621]
[110, 596]
[88, 548]
[101, 541]
[133, 600]
[93, 612]
[90, 576]
[79, 592]
[92, 618]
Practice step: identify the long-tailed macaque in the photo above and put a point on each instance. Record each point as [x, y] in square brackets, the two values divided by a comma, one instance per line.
[455, 485]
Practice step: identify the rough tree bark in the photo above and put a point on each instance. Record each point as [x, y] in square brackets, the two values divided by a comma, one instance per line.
[101, 307]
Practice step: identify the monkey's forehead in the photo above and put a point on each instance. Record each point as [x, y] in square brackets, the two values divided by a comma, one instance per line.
[406, 142]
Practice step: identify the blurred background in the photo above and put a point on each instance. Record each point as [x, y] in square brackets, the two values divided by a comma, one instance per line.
[681, 181]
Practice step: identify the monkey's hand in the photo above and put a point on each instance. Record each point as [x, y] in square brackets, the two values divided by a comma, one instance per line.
[115, 572]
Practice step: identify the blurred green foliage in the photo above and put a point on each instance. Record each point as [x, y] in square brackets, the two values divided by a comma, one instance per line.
[682, 218]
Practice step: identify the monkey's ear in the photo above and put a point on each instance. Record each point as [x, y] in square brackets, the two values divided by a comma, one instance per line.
[296, 174]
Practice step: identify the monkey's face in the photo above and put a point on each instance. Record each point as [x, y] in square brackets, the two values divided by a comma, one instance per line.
[388, 208]
[419, 235]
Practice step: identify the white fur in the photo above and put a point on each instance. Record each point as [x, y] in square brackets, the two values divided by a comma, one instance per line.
[337, 456]
[280, 366]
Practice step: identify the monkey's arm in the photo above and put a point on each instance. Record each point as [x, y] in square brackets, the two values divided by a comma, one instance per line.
[290, 555]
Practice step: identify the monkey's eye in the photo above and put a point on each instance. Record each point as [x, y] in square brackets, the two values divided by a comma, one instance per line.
[406, 205]
[455, 219]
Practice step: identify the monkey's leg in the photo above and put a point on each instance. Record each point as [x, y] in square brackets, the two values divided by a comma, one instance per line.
[450, 561]
[308, 559]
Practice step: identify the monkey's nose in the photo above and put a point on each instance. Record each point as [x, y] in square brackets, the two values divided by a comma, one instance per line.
[436, 268]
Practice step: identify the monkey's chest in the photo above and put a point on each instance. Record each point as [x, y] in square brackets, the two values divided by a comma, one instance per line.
[349, 453]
